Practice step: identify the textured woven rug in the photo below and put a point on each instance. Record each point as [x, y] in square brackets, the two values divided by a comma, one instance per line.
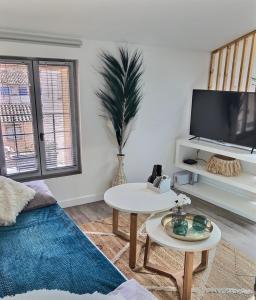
[230, 275]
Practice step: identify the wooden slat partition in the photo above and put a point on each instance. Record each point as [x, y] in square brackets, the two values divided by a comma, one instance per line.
[242, 66]
[233, 71]
[211, 73]
[219, 69]
[239, 61]
[251, 62]
[227, 63]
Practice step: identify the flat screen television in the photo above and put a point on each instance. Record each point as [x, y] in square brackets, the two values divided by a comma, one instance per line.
[228, 117]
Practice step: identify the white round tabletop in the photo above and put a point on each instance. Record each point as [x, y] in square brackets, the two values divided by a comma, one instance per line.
[137, 198]
[157, 234]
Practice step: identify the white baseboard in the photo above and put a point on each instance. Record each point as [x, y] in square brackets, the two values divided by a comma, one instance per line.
[80, 200]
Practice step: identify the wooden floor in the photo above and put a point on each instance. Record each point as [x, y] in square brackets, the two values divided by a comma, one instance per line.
[239, 232]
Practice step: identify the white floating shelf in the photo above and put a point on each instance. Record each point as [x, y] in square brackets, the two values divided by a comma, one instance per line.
[242, 206]
[229, 151]
[244, 181]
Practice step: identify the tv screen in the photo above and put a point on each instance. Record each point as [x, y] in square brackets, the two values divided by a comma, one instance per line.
[228, 117]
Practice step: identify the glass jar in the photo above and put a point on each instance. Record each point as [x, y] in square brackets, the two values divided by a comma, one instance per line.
[179, 222]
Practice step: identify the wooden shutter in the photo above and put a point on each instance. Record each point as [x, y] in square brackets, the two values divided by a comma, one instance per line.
[58, 121]
[19, 143]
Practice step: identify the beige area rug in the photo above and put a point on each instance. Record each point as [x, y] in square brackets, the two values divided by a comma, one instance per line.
[230, 275]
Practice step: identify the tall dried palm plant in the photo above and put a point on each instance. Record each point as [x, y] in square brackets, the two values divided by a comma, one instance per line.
[121, 94]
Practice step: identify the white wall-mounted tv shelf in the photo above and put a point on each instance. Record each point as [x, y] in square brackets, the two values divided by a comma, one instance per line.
[237, 194]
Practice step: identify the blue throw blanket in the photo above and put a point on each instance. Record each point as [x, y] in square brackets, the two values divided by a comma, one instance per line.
[45, 250]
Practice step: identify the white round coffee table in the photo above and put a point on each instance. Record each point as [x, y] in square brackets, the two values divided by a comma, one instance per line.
[136, 198]
[183, 279]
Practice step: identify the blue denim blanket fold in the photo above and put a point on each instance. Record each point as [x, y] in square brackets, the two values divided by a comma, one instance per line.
[45, 250]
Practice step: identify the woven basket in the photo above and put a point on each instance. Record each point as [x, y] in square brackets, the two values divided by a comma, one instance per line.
[223, 165]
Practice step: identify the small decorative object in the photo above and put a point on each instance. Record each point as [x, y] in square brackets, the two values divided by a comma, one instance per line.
[200, 223]
[180, 227]
[179, 224]
[223, 165]
[161, 184]
[181, 201]
[157, 171]
[158, 180]
[120, 177]
[177, 228]
[194, 178]
[182, 177]
[120, 98]
[190, 161]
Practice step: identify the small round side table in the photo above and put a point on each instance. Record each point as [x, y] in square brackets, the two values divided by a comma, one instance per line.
[136, 198]
[183, 279]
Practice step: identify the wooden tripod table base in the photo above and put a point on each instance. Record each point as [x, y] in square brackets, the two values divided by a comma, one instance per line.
[135, 199]
[182, 279]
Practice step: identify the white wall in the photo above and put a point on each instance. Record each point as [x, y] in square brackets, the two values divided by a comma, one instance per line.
[170, 75]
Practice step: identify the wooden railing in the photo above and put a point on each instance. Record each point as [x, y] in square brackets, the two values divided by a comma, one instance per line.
[233, 66]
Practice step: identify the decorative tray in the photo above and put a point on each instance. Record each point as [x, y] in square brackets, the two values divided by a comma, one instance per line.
[192, 234]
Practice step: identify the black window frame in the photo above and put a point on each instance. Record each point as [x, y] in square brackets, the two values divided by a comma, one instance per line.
[36, 110]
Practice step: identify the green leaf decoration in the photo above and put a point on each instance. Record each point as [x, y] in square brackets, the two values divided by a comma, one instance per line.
[121, 94]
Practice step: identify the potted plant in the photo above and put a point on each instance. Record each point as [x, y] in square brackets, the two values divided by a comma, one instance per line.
[120, 97]
[180, 202]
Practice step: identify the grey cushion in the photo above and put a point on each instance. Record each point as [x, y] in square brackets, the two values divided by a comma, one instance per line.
[43, 196]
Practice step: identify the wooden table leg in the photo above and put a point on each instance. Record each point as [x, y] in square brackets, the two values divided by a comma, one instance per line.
[115, 228]
[133, 240]
[188, 272]
[115, 221]
[147, 251]
[204, 259]
[204, 262]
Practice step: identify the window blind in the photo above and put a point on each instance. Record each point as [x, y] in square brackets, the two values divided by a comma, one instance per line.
[39, 119]
[56, 111]
[18, 134]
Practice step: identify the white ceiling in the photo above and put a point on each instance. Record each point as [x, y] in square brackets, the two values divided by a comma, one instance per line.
[194, 24]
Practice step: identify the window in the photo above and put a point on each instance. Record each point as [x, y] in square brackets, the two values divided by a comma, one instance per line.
[39, 118]
[14, 133]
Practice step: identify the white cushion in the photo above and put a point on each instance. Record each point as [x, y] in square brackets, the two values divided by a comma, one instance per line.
[129, 290]
[132, 290]
[14, 196]
[61, 295]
